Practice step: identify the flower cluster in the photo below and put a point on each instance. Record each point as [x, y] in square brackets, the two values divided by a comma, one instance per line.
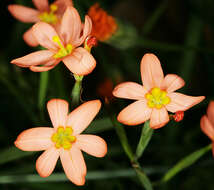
[63, 45]
[58, 29]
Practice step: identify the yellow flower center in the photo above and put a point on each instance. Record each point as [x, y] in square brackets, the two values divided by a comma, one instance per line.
[63, 138]
[157, 98]
[63, 51]
[49, 17]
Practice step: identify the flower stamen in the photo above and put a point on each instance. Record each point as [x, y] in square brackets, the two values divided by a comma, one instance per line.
[63, 138]
[63, 51]
[157, 98]
[50, 17]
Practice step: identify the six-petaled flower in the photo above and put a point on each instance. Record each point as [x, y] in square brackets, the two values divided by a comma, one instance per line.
[44, 12]
[61, 46]
[64, 140]
[155, 97]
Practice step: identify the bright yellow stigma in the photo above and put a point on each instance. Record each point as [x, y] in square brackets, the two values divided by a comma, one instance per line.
[157, 98]
[63, 138]
[63, 51]
[49, 17]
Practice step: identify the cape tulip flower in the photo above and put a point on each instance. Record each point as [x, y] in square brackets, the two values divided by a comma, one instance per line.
[207, 123]
[61, 46]
[44, 12]
[155, 97]
[64, 140]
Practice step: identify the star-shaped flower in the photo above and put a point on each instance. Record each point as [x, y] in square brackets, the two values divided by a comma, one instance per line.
[64, 140]
[155, 97]
[61, 46]
[44, 12]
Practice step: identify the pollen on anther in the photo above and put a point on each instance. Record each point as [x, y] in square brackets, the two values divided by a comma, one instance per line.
[63, 138]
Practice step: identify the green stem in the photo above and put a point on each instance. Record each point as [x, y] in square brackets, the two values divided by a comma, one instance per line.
[93, 175]
[14, 91]
[144, 180]
[146, 135]
[123, 139]
[193, 38]
[76, 91]
[43, 84]
[12, 153]
[164, 46]
[184, 163]
[153, 19]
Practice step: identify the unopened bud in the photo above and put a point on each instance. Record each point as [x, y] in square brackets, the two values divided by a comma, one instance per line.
[179, 115]
[90, 42]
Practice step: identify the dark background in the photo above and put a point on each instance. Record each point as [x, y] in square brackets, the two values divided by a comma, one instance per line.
[181, 35]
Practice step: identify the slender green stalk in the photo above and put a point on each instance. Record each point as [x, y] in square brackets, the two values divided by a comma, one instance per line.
[20, 98]
[169, 47]
[43, 84]
[185, 162]
[153, 19]
[13, 153]
[99, 125]
[123, 139]
[76, 91]
[193, 38]
[146, 135]
[95, 175]
[144, 180]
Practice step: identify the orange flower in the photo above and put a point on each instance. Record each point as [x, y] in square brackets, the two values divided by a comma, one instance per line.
[207, 123]
[62, 45]
[104, 25]
[64, 140]
[44, 12]
[155, 97]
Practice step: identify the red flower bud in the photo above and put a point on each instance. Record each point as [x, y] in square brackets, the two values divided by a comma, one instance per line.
[179, 115]
[91, 41]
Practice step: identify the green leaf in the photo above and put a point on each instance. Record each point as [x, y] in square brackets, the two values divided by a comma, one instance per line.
[193, 38]
[186, 162]
[123, 138]
[99, 125]
[43, 84]
[146, 135]
[27, 108]
[95, 175]
[11, 154]
[154, 18]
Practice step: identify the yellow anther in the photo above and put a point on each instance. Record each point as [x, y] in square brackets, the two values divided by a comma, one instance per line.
[53, 8]
[63, 138]
[49, 17]
[155, 92]
[56, 39]
[69, 130]
[69, 48]
[63, 51]
[157, 98]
